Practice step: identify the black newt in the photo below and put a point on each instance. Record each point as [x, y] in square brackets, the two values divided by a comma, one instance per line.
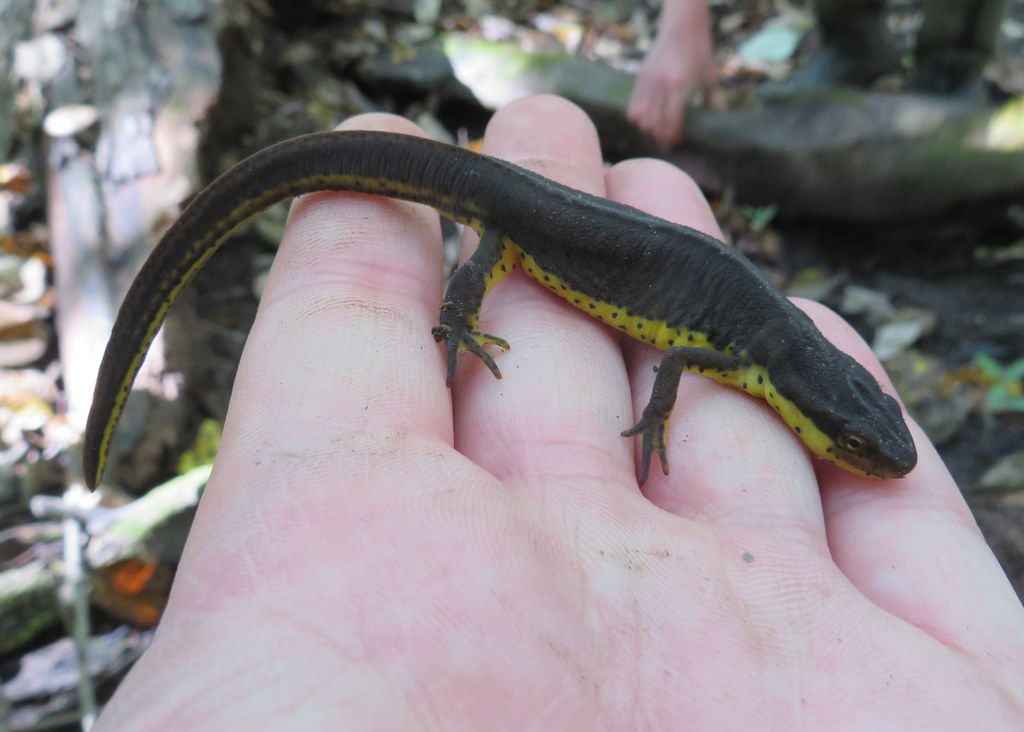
[676, 288]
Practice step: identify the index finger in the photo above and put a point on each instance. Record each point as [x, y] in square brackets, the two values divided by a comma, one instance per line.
[340, 373]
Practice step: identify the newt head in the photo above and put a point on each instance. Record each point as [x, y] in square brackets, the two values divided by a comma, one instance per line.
[840, 411]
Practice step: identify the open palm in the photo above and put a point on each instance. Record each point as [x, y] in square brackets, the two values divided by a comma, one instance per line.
[376, 552]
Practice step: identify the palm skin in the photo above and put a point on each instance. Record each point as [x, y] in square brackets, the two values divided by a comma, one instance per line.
[377, 552]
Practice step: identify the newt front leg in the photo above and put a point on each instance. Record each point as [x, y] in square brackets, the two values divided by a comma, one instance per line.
[654, 420]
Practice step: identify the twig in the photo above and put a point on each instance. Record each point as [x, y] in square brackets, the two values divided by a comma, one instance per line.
[74, 590]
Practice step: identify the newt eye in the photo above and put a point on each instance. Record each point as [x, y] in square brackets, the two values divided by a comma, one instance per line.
[852, 443]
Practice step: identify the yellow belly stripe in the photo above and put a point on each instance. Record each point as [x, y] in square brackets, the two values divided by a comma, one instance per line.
[753, 379]
[813, 437]
[505, 264]
[656, 332]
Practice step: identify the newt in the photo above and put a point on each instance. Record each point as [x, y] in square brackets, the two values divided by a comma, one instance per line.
[701, 302]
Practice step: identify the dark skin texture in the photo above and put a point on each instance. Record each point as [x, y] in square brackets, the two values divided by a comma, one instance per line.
[637, 272]
[375, 552]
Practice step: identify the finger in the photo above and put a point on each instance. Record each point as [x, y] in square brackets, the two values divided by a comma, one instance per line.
[673, 109]
[555, 416]
[644, 99]
[673, 130]
[340, 371]
[650, 110]
[639, 104]
[911, 545]
[732, 459]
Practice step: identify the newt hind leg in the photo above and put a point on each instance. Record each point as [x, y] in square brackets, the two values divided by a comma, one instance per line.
[652, 424]
[460, 312]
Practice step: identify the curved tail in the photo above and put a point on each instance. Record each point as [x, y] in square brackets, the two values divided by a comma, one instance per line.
[388, 164]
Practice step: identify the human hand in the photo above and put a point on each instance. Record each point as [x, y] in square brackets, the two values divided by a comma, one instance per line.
[679, 63]
[350, 568]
